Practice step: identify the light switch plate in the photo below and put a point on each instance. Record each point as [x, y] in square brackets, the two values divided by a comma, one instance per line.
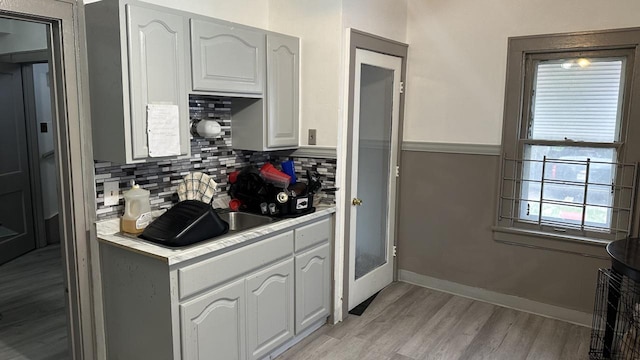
[312, 136]
[111, 193]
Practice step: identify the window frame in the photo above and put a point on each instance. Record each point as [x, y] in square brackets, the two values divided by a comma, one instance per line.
[531, 60]
[528, 83]
[523, 53]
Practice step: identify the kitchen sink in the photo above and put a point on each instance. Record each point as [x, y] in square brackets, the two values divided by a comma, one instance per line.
[239, 221]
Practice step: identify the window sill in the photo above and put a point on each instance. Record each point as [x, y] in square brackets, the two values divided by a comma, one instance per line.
[541, 240]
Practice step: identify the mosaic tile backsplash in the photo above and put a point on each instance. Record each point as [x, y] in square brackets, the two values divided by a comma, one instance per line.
[214, 157]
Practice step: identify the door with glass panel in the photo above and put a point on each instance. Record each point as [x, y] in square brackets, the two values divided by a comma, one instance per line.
[373, 184]
[570, 144]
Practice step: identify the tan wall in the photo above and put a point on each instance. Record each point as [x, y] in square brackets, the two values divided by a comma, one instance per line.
[447, 209]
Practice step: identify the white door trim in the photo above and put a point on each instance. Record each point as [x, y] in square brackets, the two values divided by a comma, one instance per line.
[367, 285]
[341, 171]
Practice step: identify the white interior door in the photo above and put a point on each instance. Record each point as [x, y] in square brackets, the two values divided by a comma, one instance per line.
[373, 183]
[16, 217]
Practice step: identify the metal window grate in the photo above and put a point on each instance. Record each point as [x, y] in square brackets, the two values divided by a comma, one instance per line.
[517, 209]
[622, 341]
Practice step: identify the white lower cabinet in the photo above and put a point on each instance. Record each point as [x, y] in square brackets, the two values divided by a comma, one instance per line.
[213, 325]
[313, 288]
[246, 319]
[248, 303]
[270, 304]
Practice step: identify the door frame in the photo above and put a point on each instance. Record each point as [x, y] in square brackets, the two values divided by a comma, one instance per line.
[356, 39]
[74, 161]
[28, 91]
[378, 275]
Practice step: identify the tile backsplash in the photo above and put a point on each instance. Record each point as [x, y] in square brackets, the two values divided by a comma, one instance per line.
[214, 157]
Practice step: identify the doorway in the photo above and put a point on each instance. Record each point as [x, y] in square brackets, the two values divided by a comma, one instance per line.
[373, 186]
[33, 320]
[70, 126]
[369, 143]
[17, 233]
[28, 183]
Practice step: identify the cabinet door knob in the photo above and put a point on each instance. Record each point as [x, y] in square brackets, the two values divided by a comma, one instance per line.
[356, 202]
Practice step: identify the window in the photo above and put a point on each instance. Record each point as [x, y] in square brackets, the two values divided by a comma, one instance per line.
[571, 121]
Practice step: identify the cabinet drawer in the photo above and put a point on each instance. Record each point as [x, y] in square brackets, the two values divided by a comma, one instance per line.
[312, 234]
[212, 272]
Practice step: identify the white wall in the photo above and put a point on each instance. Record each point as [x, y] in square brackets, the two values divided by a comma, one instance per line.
[318, 25]
[247, 12]
[321, 26]
[23, 36]
[457, 58]
[386, 18]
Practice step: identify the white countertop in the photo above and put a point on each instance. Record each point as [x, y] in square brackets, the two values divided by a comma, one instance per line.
[109, 232]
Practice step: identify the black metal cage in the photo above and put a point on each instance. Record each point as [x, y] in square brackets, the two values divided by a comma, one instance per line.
[616, 318]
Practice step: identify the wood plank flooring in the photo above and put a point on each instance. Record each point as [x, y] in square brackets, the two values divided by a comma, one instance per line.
[407, 322]
[33, 322]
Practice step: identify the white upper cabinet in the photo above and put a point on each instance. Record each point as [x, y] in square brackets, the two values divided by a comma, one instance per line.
[283, 90]
[141, 54]
[227, 58]
[272, 123]
[157, 44]
[137, 57]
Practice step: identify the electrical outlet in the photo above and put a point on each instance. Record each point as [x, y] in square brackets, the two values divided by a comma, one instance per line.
[312, 136]
[111, 193]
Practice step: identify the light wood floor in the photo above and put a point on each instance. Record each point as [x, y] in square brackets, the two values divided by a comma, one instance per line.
[407, 322]
[33, 323]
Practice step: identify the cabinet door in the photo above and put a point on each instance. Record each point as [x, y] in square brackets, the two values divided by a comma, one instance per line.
[226, 58]
[157, 47]
[313, 288]
[213, 325]
[283, 88]
[269, 309]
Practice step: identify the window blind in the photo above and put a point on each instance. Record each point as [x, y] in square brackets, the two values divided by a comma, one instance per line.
[577, 99]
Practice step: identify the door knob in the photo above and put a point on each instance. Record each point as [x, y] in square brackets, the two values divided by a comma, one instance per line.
[356, 202]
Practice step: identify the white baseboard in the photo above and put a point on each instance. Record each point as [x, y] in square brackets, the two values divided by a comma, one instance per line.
[492, 297]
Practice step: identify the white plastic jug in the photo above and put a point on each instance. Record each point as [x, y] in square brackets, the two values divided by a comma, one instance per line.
[137, 211]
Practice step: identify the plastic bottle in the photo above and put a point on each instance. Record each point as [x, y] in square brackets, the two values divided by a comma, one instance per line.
[137, 211]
